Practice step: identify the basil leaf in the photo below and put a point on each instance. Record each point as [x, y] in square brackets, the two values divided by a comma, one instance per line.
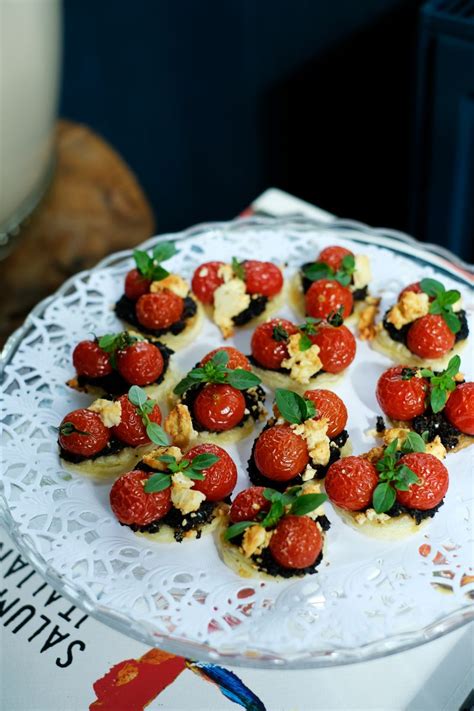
[405, 477]
[204, 461]
[193, 474]
[305, 342]
[432, 287]
[413, 443]
[137, 396]
[272, 495]
[280, 333]
[452, 321]
[143, 261]
[238, 268]
[186, 383]
[237, 528]
[318, 270]
[220, 359]
[310, 409]
[453, 366]
[163, 251]
[348, 263]
[156, 434]
[426, 373]
[436, 307]
[242, 379]
[383, 497]
[343, 278]
[392, 447]
[306, 503]
[292, 406]
[167, 459]
[107, 342]
[450, 297]
[274, 515]
[158, 273]
[157, 482]
[290, 495]
[438, 399]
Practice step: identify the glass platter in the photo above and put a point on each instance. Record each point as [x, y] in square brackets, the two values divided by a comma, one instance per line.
[370, 598]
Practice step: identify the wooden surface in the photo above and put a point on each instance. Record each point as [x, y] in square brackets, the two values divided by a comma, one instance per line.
[94, 206]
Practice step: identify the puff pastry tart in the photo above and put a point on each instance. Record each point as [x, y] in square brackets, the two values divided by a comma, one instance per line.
[306, 435]
[439, 406]
[425, 327]
[219, 400]
[171, 496]
[110, 364]
[157, 303]
[391, 492]
[240, 293]
[273, 535]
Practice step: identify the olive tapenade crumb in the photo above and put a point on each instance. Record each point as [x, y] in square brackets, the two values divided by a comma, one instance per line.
[267, 564]
[257, 306]
[181, 523]
[436, 425]
[113, 446]
[125, 310]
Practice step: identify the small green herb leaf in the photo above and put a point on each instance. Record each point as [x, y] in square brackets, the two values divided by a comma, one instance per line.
[413, 443]
[383, 497]
[293, 408]
[164, 251]
[274, 515]
[280, 333]
[305, 342]
[150, 267]
[157, 482]
[156, 434]
[68, 428]
[438, 399]
[452, 321]
[204, 461]
[237, 528]
[432, 287]
[221, 358]
[405, 477]
[317, 271]
[306, 503]
[242, 379]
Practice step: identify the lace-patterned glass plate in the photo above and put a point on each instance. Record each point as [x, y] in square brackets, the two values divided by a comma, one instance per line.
[369, 598]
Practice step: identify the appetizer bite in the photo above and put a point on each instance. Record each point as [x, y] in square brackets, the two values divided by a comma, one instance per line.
[301, 441]
[294, 357]
[157, 303]
[238, 294]
[110, 364]
[425, 327]
[439, 406]
[219, 400]
[337, 280]
[271, 535]
[392, 491]
[171, 496]
[110, 436]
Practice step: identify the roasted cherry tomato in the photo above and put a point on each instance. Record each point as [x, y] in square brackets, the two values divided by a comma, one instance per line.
[330, 406]
[327, 296]
[236, 358]
[136, 285]
[350, 483]
[415, 288]
[337, 347]
[262, 278]
[399, 398]
[90, 360]
[132, 429]
[160, 310]
[140, 364]
[205, 281]
[433, 481]
[132, 505]
[248, 504]
[430, 337]
[219, 479]
[459, 410]
[333, 256]
[219, 407]
[269, 343]
[280, 454]
[296, 542]
[87, 433]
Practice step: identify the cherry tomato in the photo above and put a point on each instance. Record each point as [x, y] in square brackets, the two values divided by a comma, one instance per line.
[160, 310]
[219, 407]
[248, 504]
[401, 399]
[91, 436]
[333, 256]
[337, 347]
[296, 542]
[236, 358]
[132, 429]
[459, 410]
[219, 479]
[136, 285]
[433, 484]
[280, 454]
[205, 281]
[90, 360]
[132, 505]
[350, 483]
[140, 364]
[262, 278]
[415, 288]
[430, 337]
[326, 296]
[330, 406]
[266, 349]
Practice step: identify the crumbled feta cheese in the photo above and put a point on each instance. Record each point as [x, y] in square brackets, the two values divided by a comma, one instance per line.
[372, 516]
[226, 273]
[179, 426]
[367, 326]
[314, 432]
[399, 433]
[308, 473]
[153, 457]
[303, 365]
[110, 412]
[410, 307]
[230, 299]
[173, 282]
[183, 496]
[255, 539]
[362, 274]
[436, 448]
